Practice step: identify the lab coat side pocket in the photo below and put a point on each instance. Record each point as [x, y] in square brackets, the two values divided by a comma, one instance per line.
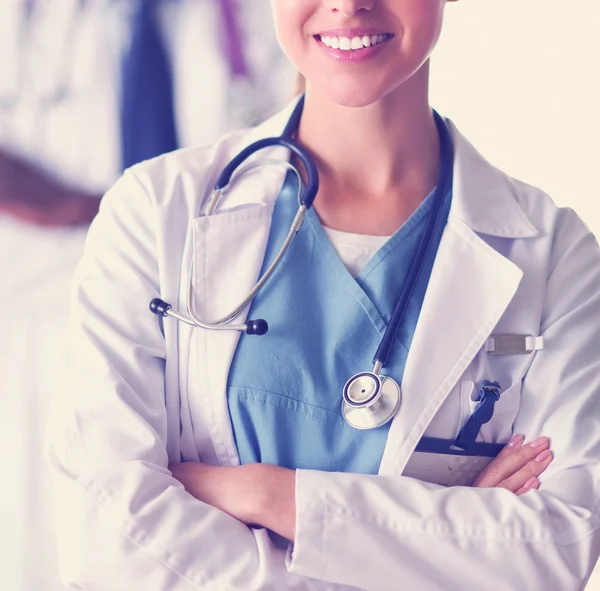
[500, 428]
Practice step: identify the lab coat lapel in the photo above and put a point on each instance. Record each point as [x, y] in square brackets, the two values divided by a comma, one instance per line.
[471, 286]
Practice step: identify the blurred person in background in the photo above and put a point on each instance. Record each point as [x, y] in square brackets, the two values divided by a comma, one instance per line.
[88, 88]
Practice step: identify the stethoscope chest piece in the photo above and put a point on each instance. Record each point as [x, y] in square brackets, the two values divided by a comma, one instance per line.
[369, 400]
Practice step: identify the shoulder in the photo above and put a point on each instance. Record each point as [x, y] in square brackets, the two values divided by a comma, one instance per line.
[182, 180]
[494, 200]
[544, 212]
[568, 248]
[569, 239]
[169, 190]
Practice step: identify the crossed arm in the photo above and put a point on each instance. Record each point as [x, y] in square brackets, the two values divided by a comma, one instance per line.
[265, 495]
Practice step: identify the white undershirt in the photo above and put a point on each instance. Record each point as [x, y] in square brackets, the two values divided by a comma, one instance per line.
[355, 250]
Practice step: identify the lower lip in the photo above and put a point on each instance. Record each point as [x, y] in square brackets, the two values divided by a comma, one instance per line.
[354, 55]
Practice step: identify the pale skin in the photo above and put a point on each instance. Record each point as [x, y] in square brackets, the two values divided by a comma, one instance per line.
[370, 128]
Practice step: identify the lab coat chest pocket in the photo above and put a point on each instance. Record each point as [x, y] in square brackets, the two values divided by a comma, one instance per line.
[462, 402]
[458, 469]
[228, 248]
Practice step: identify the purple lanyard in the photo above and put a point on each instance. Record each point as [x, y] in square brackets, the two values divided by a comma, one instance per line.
[232, 35]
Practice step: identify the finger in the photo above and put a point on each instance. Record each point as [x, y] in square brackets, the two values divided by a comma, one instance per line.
[509, 463]
[532, 469]
[532, 484]
[515, 443]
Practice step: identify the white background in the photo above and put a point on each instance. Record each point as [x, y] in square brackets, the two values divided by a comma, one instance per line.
[521, 79]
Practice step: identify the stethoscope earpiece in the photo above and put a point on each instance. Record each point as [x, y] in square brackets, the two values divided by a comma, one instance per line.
[257, 327]
[159, 307]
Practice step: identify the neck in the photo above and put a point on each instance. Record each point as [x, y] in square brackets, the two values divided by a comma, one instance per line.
[383, 156]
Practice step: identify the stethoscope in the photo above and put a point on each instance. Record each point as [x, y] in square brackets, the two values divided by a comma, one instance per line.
[369, 399]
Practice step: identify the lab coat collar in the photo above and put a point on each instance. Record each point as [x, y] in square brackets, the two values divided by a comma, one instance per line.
[484, 197]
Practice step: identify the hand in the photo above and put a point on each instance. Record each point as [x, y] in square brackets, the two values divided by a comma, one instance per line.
[254, 494]
[517, 466]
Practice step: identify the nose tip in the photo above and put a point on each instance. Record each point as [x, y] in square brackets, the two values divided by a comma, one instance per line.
[351, 7]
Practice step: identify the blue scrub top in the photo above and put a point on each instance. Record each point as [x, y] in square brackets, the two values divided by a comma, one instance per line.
[285, 388]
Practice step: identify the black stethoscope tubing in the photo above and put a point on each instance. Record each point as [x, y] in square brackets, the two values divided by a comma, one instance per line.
[443, 186]
[309, 192]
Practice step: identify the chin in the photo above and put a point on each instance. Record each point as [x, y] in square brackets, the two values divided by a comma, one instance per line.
[352, 94]
[353, 100]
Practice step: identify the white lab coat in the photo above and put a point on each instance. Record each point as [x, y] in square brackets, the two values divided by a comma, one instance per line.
[75, 139]
[510, 261]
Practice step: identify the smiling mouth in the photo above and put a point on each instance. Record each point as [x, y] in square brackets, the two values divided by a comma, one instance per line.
[353, 43]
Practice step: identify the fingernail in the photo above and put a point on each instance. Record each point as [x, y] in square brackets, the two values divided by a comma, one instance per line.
[539, 442]
[545, 455]
[516, 440]
[531, 482]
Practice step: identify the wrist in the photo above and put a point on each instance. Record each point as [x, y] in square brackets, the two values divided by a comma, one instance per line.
[275, 502]
[258, 498]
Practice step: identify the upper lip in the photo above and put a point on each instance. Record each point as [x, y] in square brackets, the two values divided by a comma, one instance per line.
[351, 33]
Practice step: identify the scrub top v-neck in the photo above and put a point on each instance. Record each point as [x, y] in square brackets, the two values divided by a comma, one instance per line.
[284, 388]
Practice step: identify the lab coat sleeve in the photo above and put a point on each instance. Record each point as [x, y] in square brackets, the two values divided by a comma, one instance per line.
[385, 533]
[123, 521]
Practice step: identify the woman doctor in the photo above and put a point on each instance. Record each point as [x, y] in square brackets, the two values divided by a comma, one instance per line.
[496, 339]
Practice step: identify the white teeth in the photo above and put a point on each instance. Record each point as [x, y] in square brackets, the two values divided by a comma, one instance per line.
[356, 43]
[347, 44]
